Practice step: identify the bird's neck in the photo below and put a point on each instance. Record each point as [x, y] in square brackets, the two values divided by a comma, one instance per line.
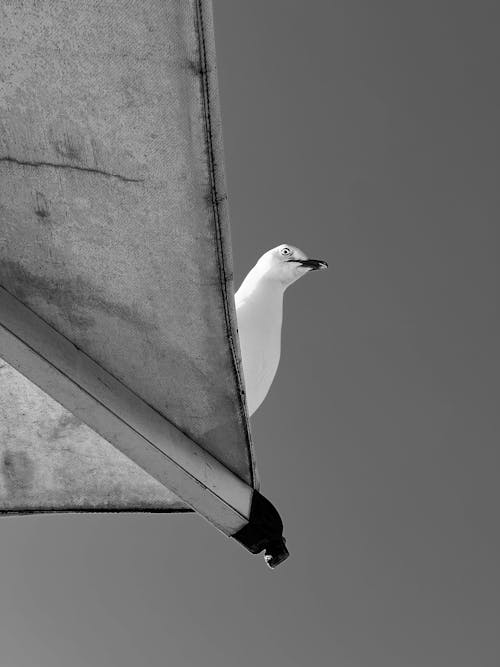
[257, 285]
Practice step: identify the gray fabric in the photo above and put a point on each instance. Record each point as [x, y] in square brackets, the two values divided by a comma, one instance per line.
[114, 229]
[51, 461]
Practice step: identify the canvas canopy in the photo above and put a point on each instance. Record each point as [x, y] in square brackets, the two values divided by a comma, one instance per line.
[121, 382]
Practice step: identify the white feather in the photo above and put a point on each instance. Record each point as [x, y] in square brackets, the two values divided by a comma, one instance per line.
[259, 311]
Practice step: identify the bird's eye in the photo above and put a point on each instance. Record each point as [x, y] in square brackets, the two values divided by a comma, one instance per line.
[285, 251]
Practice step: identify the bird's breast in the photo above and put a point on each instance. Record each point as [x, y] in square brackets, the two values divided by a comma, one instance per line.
[259, 327]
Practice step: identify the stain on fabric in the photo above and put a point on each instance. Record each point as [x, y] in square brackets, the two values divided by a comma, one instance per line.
[75, 297]
[195, 67]
[42, 209]
[17, 469]
[67, 422]
[134, 90]
[67, 140]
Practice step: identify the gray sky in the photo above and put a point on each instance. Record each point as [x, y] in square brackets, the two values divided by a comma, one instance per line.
[366, 133]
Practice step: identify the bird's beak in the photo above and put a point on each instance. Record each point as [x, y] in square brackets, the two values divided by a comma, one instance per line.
[314, 264]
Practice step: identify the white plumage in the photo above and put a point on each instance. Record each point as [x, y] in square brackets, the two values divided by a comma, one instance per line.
[259, 310]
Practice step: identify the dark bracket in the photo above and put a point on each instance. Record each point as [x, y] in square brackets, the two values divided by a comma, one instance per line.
[264, 531]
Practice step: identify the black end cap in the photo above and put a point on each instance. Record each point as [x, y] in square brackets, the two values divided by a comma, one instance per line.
[264, 531]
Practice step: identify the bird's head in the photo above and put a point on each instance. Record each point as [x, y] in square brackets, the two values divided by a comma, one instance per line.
[286, 264]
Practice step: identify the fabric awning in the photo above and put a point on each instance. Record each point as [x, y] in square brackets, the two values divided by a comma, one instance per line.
[114, 230]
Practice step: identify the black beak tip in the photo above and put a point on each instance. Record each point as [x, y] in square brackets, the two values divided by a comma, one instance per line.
[311, 264]
[315, 264]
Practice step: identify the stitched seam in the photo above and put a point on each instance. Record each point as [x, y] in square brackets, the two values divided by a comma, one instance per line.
[215, 208]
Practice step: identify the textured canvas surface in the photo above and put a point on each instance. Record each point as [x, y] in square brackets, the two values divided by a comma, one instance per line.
[114, 230]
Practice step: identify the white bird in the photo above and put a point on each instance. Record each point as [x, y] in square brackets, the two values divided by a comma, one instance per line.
[259, 311]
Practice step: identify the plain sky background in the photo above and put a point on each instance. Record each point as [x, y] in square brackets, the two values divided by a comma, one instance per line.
[366, 133]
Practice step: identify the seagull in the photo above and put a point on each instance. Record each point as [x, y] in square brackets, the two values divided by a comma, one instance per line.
[259, 313]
